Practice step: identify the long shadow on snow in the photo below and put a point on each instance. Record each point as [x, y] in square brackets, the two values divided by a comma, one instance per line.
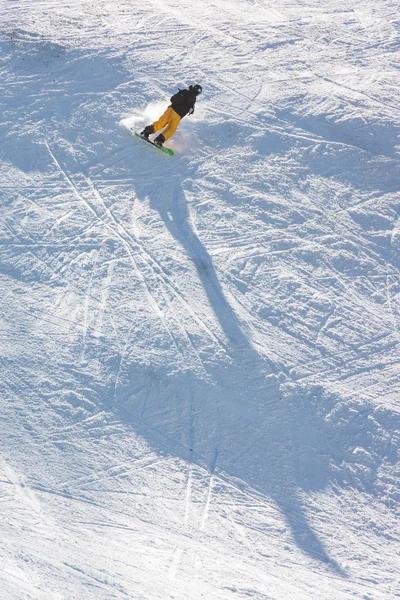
[239, 423]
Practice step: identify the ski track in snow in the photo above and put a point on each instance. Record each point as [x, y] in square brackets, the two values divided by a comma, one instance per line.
[199, 356]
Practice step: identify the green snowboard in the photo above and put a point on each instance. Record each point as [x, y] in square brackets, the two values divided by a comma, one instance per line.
[165, 150]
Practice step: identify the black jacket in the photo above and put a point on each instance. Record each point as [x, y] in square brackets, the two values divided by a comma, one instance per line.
[183, 102]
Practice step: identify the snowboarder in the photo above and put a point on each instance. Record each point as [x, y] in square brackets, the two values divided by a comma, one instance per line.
[182, 103]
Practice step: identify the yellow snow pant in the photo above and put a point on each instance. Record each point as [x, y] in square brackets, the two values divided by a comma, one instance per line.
[170, 119]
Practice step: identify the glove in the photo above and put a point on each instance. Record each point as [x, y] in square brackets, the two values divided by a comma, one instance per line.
[191, 111]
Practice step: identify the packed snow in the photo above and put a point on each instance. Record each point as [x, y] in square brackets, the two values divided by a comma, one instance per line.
[200, 368]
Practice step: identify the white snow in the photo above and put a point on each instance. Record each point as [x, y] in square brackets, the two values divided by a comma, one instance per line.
[200, 366]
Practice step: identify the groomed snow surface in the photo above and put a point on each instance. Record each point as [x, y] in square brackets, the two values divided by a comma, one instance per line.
[200, 367]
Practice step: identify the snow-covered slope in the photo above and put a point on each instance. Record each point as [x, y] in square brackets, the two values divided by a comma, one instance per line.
[199, 354]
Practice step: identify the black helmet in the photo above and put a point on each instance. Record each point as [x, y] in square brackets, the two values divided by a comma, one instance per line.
[196, 89]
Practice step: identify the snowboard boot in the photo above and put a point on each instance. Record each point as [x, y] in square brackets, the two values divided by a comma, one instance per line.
[147, 131]
[160, 139]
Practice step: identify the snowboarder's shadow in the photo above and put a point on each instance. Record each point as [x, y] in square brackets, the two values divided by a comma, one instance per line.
[272, 442]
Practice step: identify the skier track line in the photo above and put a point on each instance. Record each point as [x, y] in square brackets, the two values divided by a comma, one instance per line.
[151, 298]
